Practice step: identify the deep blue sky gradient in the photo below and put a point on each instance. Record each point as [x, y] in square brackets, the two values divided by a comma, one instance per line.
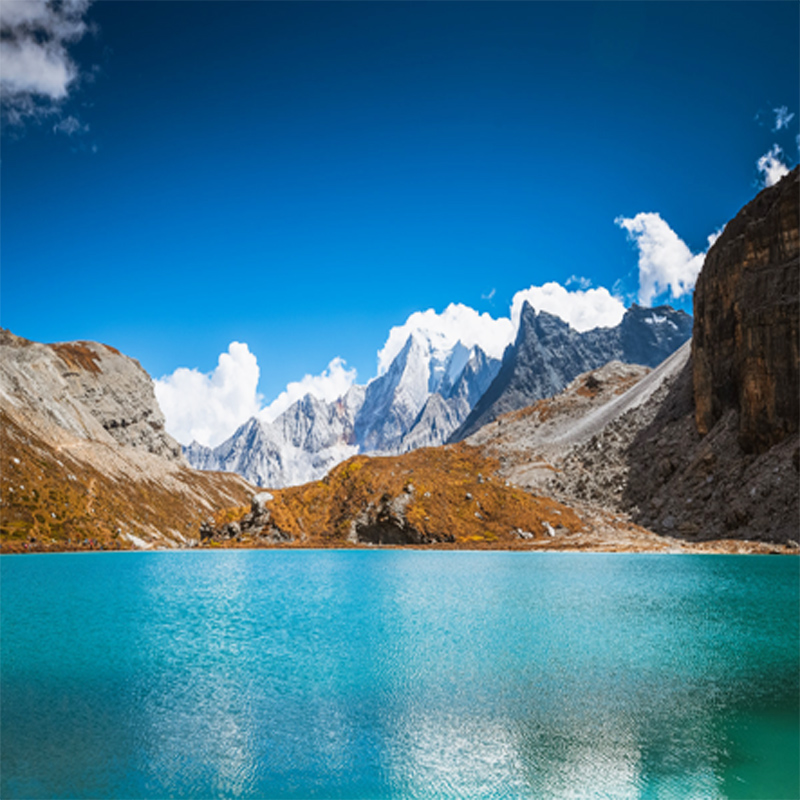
[302, 176]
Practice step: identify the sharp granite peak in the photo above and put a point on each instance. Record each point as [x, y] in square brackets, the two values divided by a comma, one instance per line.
[548, 354]
[436, 390]
[424, 395]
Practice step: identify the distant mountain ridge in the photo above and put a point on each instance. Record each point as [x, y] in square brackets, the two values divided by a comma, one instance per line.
[432, 393]
[424, 395]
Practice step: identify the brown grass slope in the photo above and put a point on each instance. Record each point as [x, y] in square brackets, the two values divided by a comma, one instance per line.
[89, 495]
[439, 493]
[450, 497]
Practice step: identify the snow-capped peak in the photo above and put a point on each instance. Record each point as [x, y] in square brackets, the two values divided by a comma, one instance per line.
[440, 333]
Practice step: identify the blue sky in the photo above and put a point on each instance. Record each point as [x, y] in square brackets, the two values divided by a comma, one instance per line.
[303, 176]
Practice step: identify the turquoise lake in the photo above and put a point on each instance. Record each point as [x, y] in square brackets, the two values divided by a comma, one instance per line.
[399, 674]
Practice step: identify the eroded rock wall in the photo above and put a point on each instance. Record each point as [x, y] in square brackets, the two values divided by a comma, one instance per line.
[745, 350]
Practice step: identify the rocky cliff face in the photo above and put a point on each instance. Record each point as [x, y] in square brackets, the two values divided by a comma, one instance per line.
[85, 379]
[548, 354]
[747, 321]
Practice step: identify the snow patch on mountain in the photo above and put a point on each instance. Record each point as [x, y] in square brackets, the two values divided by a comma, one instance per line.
[302, 444]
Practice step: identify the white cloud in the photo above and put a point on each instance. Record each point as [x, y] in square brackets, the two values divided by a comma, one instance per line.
[37, 71]
[782, 118]
[584, 283]
[70, 126]
[329, 385]
[207, 408]
[665, 261]
[489, 295]
[771, 166]
[583, 309]
[456, 323]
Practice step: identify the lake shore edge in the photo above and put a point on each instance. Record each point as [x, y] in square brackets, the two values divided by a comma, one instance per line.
[579, 544]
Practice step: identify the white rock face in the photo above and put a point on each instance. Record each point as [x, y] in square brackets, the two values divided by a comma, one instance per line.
[301, 445]
[446, 409]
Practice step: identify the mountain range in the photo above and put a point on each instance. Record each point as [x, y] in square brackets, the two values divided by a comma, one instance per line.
[432, 394]
[700, 453]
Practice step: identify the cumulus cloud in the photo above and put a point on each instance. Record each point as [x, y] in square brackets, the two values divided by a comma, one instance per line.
[665, 261]
[38, 72]
[771, 166]
[208, 407]
[329, 385]
[456, 323]
[583, 309]
[782, 118]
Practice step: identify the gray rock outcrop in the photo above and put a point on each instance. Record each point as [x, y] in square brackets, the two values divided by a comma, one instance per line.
[71, 381]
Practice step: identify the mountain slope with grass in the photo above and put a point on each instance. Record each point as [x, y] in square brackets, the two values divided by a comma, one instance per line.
[87, 463]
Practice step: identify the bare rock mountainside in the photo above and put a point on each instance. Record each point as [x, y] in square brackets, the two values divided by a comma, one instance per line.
[73, 385]
[706, 445]
[87, 462]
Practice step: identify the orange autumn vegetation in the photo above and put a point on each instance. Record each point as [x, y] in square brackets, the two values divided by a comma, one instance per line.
[452, 490]
[78, 356]
[51, 500]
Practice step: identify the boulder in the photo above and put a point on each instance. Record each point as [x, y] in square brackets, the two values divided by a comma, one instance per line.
[258, 505]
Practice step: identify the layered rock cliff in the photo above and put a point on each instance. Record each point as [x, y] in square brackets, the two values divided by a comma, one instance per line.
[745, 350]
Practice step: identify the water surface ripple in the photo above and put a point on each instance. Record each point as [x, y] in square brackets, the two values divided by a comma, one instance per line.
[391, 674]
